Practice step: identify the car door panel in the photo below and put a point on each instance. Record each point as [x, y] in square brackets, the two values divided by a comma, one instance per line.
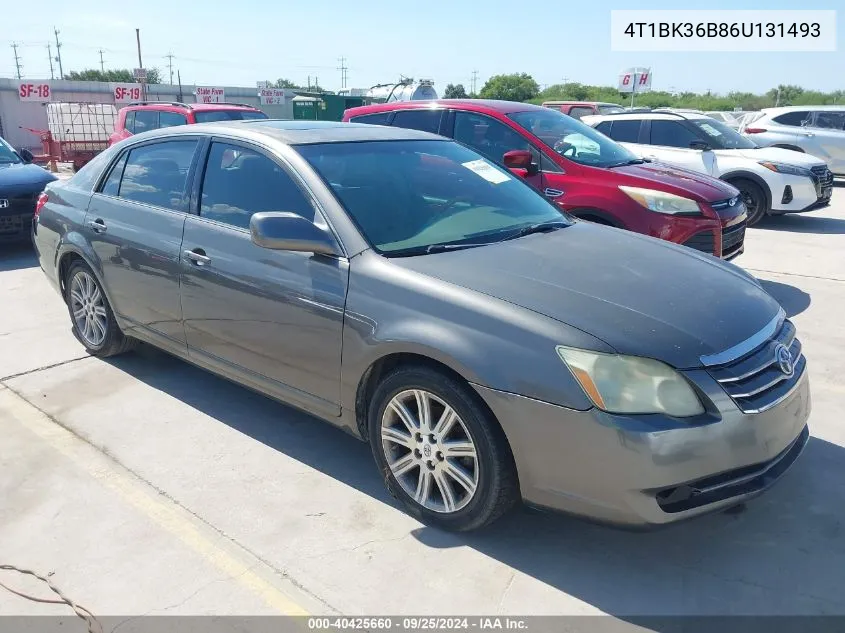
[273, 318]
[137, 243]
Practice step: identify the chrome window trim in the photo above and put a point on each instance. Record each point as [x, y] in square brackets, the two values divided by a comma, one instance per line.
[741, 349]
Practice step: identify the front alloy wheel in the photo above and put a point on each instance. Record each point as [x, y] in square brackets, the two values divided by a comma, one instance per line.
[429, 451]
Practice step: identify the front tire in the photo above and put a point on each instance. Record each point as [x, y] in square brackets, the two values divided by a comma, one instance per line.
[91, 315]
[754, 198]
[440, 451]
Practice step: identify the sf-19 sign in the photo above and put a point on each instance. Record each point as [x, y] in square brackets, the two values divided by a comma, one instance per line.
[126, 93]
[35, 91]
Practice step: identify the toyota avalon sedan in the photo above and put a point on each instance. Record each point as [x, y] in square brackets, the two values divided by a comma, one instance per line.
[402, 287]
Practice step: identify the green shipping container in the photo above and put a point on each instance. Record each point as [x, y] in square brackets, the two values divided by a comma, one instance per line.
[323, 107]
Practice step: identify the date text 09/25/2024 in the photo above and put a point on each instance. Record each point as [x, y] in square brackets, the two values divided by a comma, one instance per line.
[421, 623]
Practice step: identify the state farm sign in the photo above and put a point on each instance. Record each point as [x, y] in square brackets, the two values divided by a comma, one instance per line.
[208, 94]
[35, 91]
[271, 96]
[126, 93]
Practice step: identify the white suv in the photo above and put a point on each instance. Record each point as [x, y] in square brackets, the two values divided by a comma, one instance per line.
[816, 130]
[772, 181]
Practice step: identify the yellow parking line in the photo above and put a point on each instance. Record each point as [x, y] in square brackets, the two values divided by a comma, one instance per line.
[233, 560]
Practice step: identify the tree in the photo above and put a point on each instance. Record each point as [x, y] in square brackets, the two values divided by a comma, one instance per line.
[514, 87]
[455, 92]
[285, 83]
[114, 75]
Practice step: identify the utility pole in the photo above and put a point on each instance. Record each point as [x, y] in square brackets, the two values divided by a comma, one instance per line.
[179, 79]
[18, 65]
[141, 65]
[169, 57]
[59, 53]
[102, 64]
[474, 81]
[50, 58]
[342, 68]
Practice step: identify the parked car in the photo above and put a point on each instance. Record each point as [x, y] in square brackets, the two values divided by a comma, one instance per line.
[21, 183]
[152, 115]
[773, 181]
[816, 130]
[724, 117]
[583, 172]
[492, 349]
[577, 109]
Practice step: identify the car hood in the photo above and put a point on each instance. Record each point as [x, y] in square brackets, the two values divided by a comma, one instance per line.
[20, 179]
[683, 182]
[775, 155]
[640, 295]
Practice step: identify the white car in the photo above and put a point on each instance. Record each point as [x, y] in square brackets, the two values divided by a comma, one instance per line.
[725, 117]
[816, 130]
[772, 181]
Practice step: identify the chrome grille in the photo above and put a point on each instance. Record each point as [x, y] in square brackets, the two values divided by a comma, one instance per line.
[756, 381]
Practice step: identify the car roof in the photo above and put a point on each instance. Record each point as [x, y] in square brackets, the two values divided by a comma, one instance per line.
[178, 106]
[298, 132]
[665, 116]
[473, 105]
[812, 108]
[593, 103]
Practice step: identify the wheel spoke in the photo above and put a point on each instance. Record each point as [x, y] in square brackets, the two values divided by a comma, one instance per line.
[391, 434]
[88, 284]
[458, 449]
[96, 296]
[423, 409]
[423, 486]
[446, 491]
[100, 328]
[459, 475]
[79, 313]
[100, 311]
[76, 295]
[407, 419]
[446, 422]
[403, 465]
[89, 329]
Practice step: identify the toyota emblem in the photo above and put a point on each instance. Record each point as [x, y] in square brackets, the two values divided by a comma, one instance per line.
[783, 357]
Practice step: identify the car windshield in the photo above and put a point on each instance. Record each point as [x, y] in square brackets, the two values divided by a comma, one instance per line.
[208, 116]
[418, 197]
[721, 136]
[574, 140]
[7, 154]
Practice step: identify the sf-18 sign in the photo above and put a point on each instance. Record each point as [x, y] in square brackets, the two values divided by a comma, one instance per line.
[207, 94]
[35, 91]
[126, 93]
[271, 96]
[635, 80]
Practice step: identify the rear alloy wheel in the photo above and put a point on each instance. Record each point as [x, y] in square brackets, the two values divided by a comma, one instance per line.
[439, 450]
[94, 324]
[754, 198]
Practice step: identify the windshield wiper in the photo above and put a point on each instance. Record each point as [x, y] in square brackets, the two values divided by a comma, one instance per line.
[539, 227]
[633, 161]
[432, 248]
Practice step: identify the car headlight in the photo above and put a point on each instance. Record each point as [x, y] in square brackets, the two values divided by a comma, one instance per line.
[661, 201]
[630, 384]
[792, 170]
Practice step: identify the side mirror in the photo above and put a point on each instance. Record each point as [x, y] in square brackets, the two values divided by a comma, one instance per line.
[700, 145]
[26, 155]
[283, 231]
[522, 160]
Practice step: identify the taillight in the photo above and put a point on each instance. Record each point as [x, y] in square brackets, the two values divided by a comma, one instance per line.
[754, 130]
[42, 200]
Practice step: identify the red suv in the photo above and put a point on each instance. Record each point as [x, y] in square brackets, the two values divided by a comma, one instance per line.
[585, 173]
[151, 115]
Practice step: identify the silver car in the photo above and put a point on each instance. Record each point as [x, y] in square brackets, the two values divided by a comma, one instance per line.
[815, 130]
[401, 287]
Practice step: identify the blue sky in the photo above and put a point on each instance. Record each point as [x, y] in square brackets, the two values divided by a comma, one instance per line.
[240, 42]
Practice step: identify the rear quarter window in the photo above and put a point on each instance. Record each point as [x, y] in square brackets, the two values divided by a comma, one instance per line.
[377, 118]
[796, 118]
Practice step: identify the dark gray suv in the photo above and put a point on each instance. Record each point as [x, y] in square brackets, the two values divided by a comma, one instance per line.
[404, 288]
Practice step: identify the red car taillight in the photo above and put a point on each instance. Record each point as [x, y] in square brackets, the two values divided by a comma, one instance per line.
[755, 130]
[42, 200]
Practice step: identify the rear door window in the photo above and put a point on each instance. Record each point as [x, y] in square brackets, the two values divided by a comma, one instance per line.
[157, 173]
[578, 111]
[377, 118]
[145, 120]
[424, 120]
[625, 131]
[796, 118]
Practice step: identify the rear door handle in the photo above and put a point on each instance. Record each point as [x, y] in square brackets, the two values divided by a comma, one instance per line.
[98, 226]
[198, 257]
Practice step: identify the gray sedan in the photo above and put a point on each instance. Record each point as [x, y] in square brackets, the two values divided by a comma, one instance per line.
[405, 289]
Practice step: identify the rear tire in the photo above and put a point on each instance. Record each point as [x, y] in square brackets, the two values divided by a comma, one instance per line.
[754, 198]
[440, 451]
[91, 316]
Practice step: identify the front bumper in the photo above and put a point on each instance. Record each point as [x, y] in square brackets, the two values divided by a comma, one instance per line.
[803, 194]
[622, 469]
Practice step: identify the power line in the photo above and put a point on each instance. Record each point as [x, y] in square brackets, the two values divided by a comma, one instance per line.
[342, 68]
[59, 53]
[169, 57]
[102, 64]
[18, 64]
[50, 58]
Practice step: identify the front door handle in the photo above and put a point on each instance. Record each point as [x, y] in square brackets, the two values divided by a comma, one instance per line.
[198, 257]
[98, 226]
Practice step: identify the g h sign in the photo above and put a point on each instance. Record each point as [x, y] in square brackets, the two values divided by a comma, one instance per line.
[635, 80]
